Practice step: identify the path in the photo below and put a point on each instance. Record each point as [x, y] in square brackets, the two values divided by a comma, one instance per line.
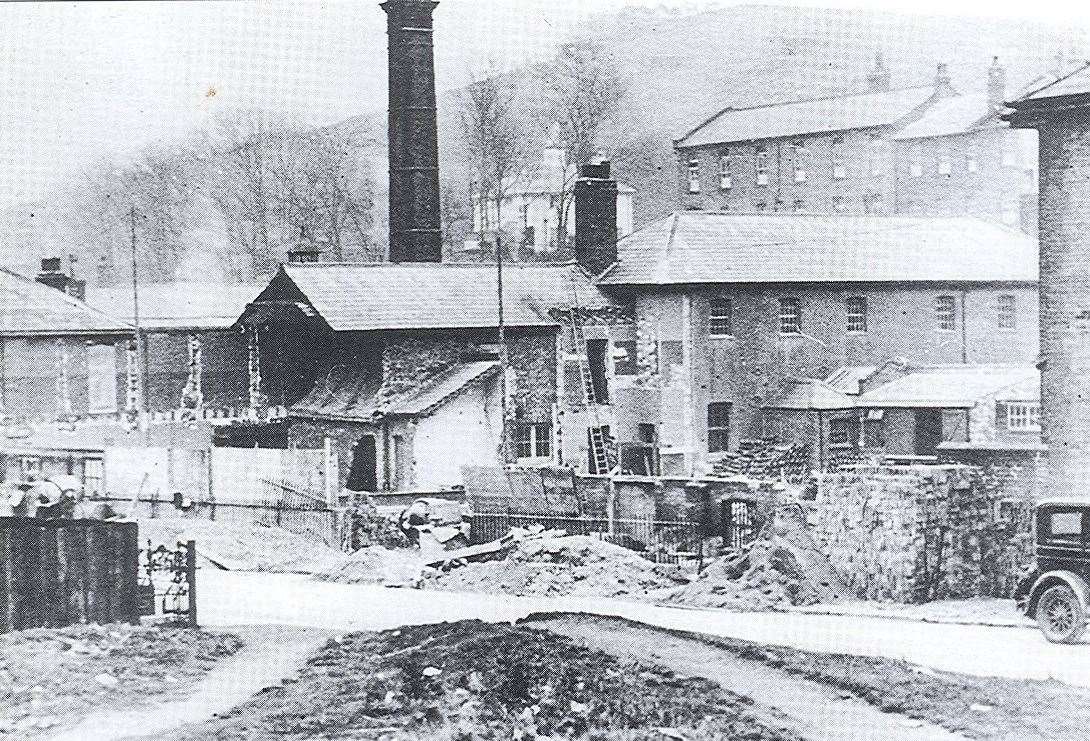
[819, 711]
[233, 598]
[270, 654]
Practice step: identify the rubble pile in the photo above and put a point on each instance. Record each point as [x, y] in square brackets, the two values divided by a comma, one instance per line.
[554, 566]
[763, 459]
[376, 565]
[52, 678]
[242, 546]
[780, 568]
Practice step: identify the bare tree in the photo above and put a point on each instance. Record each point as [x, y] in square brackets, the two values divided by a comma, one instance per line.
[584, 89]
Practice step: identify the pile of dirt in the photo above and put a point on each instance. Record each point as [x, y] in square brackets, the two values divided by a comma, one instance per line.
[376, 565]
[52, 678]
[780, 568]
[471, 680]
[568, 565]
[242, 546]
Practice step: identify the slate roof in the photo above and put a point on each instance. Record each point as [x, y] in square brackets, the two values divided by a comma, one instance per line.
[956, 386]
[387, 296]
[181, 305]
[1076, 81]
[864, 110]
[847, 379]
[714, 247]
[355, 396]
[810, 393]
[956, 114]
[28, 308]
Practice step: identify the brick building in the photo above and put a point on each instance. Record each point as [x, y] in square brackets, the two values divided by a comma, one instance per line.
[729, 307]
[1059, 110]
[196, 358]
[919, 151]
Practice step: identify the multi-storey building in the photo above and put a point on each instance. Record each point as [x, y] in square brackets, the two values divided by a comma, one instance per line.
[920, 150]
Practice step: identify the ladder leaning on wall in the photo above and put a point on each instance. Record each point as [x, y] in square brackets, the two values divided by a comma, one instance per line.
[598, 445]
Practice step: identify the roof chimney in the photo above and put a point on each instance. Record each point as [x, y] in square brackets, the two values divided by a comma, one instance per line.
[53, 275]
[878, 79]
[306, 250]
[595, 218]
[997, 85]
[942, 78]
[414, 137]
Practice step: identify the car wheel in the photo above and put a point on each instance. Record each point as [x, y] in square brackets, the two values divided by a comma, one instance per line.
[1060, 615]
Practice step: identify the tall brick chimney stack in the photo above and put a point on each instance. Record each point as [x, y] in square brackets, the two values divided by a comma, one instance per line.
[414, 137]
[997, 85]
[595, 218]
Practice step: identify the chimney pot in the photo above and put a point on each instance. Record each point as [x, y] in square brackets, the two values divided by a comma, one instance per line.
[997, 86]
[51, 265]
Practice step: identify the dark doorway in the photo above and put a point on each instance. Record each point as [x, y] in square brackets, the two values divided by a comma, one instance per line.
[928, 431]
[363, 474]
[596, 357]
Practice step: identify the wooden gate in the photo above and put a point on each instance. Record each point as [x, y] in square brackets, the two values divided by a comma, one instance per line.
[55, 573]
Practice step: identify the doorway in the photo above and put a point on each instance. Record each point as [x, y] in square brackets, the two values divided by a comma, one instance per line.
[363, 473]
[928, 431]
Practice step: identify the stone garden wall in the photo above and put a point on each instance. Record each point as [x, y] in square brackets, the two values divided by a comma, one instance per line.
[914, 534]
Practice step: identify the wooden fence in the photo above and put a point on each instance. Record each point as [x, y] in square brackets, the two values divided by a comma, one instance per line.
[61, 572]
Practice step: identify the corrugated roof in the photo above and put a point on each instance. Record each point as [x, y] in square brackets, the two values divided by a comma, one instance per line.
[810, 393]
[711, 247]
[30, 308]
[353, 395]
[864, 110]
[847, 379]
[181, 305]
[953, 115]
[360, 297]
[958, 386]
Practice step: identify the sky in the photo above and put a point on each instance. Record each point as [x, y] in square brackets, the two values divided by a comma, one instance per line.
[84, 80]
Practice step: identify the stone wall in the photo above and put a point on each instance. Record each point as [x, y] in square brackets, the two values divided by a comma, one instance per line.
[921, 533]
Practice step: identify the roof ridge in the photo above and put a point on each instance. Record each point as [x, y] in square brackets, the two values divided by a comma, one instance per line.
[1085, 64]
[72, 301]
[436, 265]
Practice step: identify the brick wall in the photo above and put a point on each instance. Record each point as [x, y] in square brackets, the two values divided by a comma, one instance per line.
[924, 532]
[1065, 302]
[32, 372]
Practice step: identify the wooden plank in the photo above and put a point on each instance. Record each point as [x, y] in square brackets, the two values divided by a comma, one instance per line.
[72, 552]
[54, 606]
[5, 576]
[99, 576]
[26, 602]
[130, 566]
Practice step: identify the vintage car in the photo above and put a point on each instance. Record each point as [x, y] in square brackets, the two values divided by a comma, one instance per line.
[1055, 590]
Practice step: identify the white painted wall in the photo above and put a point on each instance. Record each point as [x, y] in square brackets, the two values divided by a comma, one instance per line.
[463, 432]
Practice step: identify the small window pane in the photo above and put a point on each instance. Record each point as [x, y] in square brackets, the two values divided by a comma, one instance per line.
[840, 431]
[694, 176]
[790, 321]
[1066, 523]
[1007, 312]
[944, 313]
[857, 314]
[718, 426]
[720, 322]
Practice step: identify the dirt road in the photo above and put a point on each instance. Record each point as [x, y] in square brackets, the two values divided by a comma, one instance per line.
[232, 598]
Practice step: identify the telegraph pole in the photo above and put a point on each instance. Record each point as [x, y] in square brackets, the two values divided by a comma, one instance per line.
[141, 357]
[505, 455]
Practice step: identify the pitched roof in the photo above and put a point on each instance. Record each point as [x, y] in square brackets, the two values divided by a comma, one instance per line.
[956, 114]
[375, 296]
[847, 379]
[864, 110]
[810, 393]
[181, 305]
[355, 395]
[712, 247]
[956, 386]
[1074, 81]
[29, 308]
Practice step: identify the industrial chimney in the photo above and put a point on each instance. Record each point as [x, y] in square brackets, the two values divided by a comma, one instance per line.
[595, 218]
[414, 138]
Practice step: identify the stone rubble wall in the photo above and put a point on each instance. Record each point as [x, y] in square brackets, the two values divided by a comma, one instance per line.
[920, 533]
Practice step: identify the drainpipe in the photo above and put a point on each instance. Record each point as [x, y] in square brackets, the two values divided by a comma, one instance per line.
[386, 482]
[964, 341]
[821, 440]
[689, 413]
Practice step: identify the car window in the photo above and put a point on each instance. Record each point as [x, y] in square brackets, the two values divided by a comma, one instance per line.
[1065, 524]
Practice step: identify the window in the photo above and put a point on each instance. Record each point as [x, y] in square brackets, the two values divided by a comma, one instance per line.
[800, 162]
[726, 182]
[760, 206]
[720, 321]
[719, 426]
[790, 321]
[1008, 317]
[624, 358]
[840, 204]
[970, 161]
[841, 431]
[762, 166]
[915, 163]
[1065, 524]
[1024, 417]
[872, 203]
[945, 166]
[694, 176]
[857, 314]
[876, 154]
[840, 171]
[945, 314]
[799, 206]
[101, 379]
[533, 440]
